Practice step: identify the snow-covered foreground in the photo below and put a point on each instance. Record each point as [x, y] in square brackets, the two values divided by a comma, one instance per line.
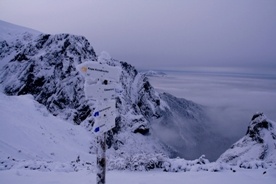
[118, 177]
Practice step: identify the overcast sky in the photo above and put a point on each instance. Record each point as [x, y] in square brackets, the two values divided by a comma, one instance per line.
[160, 33]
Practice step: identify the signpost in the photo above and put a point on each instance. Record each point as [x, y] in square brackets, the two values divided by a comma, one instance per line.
[95, 70]
[104, 115]
[96, 91]
[101, 81]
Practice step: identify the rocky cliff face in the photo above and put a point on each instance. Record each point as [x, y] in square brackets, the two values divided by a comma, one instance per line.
[45, 66]
[257, 146]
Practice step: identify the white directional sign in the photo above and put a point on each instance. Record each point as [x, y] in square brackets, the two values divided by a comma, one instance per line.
[100, 80]
[104, 115]
[101, 85]
[101, 91]
[95, 70]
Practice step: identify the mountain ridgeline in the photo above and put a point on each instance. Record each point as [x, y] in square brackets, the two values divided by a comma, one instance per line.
[44, 66]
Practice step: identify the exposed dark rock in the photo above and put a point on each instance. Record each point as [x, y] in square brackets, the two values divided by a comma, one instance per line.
[142, 130]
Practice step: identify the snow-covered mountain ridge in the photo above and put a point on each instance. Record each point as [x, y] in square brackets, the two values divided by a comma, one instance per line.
[149, 122]
[45, 66]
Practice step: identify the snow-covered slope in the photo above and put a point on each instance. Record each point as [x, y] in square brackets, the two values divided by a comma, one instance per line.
[16, 36]
[258, 146]
[29, 132]
[44, 66]
[10, 31]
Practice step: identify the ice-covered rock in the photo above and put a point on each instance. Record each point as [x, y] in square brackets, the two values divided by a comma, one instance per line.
[257, 148]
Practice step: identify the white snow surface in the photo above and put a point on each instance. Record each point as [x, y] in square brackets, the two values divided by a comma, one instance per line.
[119, 177]
[11, 33]
[29, 132]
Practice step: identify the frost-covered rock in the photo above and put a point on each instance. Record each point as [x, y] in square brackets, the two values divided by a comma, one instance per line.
[45, 68]
[257, 148]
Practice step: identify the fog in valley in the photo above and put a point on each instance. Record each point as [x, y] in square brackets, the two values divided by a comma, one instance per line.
[231, 96]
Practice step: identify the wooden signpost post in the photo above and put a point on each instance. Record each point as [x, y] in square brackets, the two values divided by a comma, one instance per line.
[101, 81]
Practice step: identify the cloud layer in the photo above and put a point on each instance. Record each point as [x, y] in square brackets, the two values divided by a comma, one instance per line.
[233, 98]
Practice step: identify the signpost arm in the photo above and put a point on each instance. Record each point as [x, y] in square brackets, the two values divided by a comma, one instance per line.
[101, 159]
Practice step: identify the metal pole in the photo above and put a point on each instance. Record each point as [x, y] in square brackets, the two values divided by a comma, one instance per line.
[101, 160]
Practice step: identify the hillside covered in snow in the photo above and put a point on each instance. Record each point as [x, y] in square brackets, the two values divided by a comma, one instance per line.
[46, 121]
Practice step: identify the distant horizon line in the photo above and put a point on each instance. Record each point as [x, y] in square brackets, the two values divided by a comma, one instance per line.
[210, 68]
[263, 73]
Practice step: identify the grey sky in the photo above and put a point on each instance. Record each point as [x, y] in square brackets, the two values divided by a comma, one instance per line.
[160, 33]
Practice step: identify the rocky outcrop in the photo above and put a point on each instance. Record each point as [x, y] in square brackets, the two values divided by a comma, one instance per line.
[258, 146]
[45, 68]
